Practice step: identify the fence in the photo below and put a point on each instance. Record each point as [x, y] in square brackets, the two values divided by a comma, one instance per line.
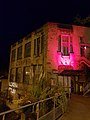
[47, 109]
[87, 88]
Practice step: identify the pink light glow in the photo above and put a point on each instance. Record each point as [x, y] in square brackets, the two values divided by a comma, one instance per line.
[69, 42]
[66, 60]
[54, 55]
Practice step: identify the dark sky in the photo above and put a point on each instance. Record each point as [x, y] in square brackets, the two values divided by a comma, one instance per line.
[19, 17]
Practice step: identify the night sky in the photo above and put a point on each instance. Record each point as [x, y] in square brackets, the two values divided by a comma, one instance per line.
[19, 17]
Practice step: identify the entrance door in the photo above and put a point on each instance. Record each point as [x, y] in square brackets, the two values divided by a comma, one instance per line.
[74, 84]
[65, 81]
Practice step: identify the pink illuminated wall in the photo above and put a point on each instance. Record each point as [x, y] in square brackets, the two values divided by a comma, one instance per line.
[55, 57]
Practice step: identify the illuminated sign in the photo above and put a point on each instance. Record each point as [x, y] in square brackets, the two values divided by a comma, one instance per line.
[12, 90]
[65, 60]
[13, 84]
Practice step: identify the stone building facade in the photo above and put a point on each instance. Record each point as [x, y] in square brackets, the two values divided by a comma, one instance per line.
[60, 53]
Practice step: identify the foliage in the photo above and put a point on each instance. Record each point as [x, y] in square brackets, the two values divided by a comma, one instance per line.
[82, 21]
[60, 97]
[42, 90]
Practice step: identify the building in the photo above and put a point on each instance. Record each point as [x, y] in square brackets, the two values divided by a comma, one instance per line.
[60, 53]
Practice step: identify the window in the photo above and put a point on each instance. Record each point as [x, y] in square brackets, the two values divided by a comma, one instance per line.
[42, 43]
[65, 50]
[38, 46]
[37, 72]
[65, 45]
[13, 55]
[35, 46]
[18, 75]
[12, 75]
[82, 51]
[81, 40]
[27, 50]
[70, 39]
[27, 75]
[34, 69]
[19, 53]
[59, 44]
[71, 46]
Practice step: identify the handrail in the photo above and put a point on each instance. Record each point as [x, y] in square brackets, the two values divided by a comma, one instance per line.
[37, 110]
[21, 107]
[85, 60]
[87, 87]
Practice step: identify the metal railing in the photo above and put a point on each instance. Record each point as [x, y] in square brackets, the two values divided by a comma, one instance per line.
[47, 109]
[85, 60]
[86, 89]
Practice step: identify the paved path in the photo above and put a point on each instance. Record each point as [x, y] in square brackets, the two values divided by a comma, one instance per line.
[79, 108]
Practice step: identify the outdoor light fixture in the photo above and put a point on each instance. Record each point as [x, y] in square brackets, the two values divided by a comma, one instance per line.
[85, 47]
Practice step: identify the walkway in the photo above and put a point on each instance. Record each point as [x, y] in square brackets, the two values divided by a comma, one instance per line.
[79, 108]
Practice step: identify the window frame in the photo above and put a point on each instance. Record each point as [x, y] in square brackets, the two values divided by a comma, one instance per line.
[20, 80]
[35, 46]
[19, 53]
[26, 48]
[38, 46]
[13, 55]
[24, 75]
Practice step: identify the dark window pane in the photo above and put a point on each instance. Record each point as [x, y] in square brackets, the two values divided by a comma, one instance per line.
[59, 43]
[35, 46]
[13, 55]
[65, 45]
[19, 53]
[71, 48]
[27, 50]
[12, 75]
[38, 46]
[81, 40]
[42, 43]
[18, 75]
[65, 50]
[27, 75]
[82, 51]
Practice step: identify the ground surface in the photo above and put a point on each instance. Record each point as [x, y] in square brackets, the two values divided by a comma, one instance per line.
[79, 108]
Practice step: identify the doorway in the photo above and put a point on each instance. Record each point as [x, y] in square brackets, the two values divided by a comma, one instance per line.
[75, 84]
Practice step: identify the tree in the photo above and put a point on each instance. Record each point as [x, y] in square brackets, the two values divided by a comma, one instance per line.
[82, 21]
